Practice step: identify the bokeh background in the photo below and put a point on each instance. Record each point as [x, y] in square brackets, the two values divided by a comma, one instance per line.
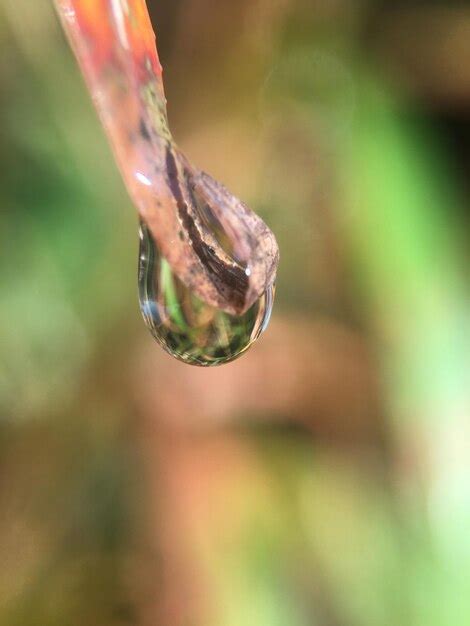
[323, 479]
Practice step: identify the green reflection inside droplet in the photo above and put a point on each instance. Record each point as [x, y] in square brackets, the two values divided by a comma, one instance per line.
[184, 325]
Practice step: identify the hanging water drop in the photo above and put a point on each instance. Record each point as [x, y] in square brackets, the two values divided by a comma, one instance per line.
[185, 326]
[207, 263]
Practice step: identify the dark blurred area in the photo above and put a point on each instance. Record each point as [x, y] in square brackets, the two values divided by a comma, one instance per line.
[324, 478]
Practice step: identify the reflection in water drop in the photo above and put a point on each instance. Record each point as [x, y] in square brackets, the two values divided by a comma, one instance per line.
[184, 325]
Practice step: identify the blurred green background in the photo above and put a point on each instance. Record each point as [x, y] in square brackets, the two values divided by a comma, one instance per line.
[323, 479]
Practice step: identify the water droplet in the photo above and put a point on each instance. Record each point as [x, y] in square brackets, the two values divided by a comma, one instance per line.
[184, 325]
[207, 262]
